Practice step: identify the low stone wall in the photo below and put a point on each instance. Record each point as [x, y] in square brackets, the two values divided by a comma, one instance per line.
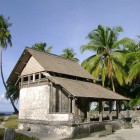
[69, 130]
[133, 113]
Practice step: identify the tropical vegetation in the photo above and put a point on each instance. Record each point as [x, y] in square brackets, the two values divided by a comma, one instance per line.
[115, 63]
[106, 64]
[5, 41]
[42, 47]
[69, 54]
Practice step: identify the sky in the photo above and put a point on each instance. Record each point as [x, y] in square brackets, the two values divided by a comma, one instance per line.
[62, 24]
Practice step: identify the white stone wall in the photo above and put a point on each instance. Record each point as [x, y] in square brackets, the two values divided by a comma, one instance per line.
[34, 105]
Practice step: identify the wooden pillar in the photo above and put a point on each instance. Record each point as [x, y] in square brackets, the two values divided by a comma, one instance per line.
[110, 110]
[73, 106]
[118, 109]
[88, 114]
[70, 105]
[51, 92]
[21, 82]
[60, 103]
[100, 111]
[33, 77]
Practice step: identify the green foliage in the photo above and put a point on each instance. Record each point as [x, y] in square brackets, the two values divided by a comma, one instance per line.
[12, 91]
[69, 54]
[107, 63]
[23, 137]
[1, 119]
[42, 47]
[5, 36]
[134, 103]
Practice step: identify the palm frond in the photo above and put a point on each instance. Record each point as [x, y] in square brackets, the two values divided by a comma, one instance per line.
[121, 42]
[134, 72]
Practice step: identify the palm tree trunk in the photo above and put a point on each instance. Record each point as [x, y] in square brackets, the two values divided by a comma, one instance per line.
[113, 86]
[15, 109]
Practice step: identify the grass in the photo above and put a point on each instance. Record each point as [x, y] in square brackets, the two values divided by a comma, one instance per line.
[1, 133]
[1, 119]
[12, 122]
[23, 137]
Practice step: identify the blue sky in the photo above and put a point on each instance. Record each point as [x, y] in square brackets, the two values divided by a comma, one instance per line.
[62, 23]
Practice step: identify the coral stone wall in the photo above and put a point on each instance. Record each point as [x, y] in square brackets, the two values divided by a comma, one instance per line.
[34, 103]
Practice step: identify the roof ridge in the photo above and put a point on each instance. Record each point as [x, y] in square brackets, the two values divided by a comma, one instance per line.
[51, 54]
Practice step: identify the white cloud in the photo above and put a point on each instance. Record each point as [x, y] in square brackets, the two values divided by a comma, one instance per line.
[5, 105]
[3, 99]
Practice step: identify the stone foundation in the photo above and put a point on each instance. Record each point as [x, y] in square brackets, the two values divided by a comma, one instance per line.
[70, 130]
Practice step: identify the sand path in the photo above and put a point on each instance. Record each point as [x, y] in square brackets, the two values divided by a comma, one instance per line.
[122, 134]
[5, 119]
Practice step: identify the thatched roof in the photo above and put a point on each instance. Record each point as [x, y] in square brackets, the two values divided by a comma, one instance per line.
[86, 89]
[51, 63]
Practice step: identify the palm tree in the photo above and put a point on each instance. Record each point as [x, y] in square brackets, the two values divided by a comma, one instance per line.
[133, 60]
[107, 62]
[70, 54]
[5, 40]
[42, 47]
[12, 91]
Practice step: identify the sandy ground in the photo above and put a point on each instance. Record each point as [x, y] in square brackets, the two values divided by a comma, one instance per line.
[122, 134]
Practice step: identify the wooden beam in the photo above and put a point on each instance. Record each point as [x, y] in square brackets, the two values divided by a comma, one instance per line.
[17, 73]
[23, 62]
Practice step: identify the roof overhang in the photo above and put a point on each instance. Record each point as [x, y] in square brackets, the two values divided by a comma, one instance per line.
[86, 89]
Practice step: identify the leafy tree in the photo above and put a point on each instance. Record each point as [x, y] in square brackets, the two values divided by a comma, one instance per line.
[106, 64]
[42, 47]
[5, 40]
[70, 54]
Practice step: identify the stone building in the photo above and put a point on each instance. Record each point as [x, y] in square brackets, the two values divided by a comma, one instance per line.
[55, 94]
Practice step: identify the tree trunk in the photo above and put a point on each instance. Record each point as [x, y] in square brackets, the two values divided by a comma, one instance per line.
[113, 86]
[12, 102]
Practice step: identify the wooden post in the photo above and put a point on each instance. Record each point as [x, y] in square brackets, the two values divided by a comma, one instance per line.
[73, 106]
[33, 77]
[110, 110]
[51, 92]
[70, 107]
[88, 114]
[118, 109]
[60, 94]
[100, 111]
[21, 81]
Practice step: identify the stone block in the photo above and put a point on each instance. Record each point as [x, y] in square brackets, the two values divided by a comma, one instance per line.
[9, 134]
[127, 125]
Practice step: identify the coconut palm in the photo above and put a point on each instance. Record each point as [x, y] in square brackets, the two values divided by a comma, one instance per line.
[133, 60]
[70, 54]
[12, 91]
[5, 40]
[107, 62]
[42, 47]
